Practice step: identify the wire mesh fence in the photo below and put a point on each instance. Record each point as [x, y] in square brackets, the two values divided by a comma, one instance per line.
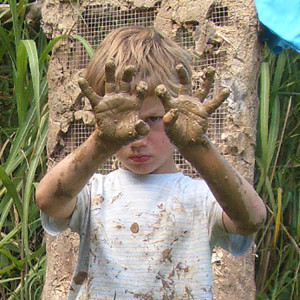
[98, 20]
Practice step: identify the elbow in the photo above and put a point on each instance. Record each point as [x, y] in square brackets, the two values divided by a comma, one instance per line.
[40, 199]
[53, 206]
[263, 218]
[257, 217]
[258, 223]
[260, 217]
[255, 223]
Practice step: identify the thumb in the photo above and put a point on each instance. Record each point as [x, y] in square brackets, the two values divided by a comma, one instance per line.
[212, 105]
[141, 128]
[88, 92]
[170, 117]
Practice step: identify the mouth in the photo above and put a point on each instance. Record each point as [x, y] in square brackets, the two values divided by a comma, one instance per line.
[139, 158]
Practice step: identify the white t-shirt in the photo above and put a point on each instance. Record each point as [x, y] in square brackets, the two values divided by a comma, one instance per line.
[149, 237]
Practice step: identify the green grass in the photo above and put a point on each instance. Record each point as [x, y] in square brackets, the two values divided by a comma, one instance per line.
[278, 176]
[24, 54]
[23, 132]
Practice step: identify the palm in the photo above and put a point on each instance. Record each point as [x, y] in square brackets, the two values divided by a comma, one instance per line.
[186, 117]
[116, 113]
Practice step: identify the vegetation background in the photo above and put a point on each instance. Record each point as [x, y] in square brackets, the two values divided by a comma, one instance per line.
[24, 53]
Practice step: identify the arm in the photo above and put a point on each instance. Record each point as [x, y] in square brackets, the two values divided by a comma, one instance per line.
[243, 210]
[116, 115]
[56, 192]
[186, 123]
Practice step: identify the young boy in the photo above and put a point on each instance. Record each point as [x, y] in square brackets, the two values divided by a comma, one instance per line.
[146, 230]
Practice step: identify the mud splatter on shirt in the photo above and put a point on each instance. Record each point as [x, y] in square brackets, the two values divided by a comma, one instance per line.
[151, 237]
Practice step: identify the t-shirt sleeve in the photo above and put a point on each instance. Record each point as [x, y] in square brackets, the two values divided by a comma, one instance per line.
[54, 226]
[236, 244]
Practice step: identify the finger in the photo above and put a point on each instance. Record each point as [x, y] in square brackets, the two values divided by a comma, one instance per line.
[126, 133]
[205, 87]
[141, 128]
[125, 84]
[163, 94]
[182, 74]
[142, 90]
[170, 117]
[212, 105]
[184, 82]
[88, 92]
[110, 69]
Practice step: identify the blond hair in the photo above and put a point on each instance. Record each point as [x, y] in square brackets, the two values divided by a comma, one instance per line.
[154, 56]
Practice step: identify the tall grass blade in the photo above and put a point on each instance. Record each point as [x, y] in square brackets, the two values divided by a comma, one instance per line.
[278, 74]
[85, 44]
[35, 73]
[20, 140]
[6, 238]
[4, 36]
[48, 48]
[19, 79]
[264, 111]
[30, 184]
[273, 131]
[5, 210]
[278, 216]
[16, 23]
[11, 189]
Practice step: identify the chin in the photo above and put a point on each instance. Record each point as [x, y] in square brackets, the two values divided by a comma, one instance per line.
[140, 172]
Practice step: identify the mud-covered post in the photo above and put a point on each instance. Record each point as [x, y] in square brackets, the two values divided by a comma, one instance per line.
[222, 34]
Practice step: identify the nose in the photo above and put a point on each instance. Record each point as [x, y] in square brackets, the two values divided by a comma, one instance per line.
[139, 143]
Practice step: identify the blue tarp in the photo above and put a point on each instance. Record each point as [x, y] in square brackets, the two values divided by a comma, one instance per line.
[281, 21]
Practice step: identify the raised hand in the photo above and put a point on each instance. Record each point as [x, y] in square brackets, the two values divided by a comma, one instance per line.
[117, 112]
[186, 116]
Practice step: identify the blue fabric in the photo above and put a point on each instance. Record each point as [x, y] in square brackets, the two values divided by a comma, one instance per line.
[281, 19]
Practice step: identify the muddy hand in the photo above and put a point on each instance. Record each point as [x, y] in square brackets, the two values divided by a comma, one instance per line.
[117, 112]
[186, 116]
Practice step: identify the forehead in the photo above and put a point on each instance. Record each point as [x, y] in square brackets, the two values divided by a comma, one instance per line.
[152, 106]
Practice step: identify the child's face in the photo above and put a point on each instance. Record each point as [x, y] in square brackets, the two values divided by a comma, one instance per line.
[154, 152]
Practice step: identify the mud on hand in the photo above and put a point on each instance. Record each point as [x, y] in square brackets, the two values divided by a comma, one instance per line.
[116, 113]
[186, 116]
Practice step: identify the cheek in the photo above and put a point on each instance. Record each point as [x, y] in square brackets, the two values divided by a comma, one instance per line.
[121, 153]
[163, 140]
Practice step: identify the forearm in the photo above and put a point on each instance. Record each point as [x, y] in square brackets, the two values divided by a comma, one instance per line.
[237, 197]
[56, 192]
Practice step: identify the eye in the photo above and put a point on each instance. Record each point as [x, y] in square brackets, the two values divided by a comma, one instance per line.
[155, 119]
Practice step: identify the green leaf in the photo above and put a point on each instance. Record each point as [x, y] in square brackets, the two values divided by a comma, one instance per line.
[49, 47]
[4, 36]
[11, 189]
[14, 260]
[30, 184]
[16, 23]
[85, 44]
[8, 237]
[273, 131]
[264, 111]
[280, 67]
[19, 80]
[5, 209]
[20, 139]
[35, 72]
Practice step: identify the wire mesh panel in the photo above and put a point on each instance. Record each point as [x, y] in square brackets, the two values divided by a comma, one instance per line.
[211, 57]
[219, 14]
[98, 20]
